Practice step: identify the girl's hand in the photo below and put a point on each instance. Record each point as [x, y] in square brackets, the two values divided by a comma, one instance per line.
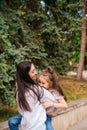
[47, 104]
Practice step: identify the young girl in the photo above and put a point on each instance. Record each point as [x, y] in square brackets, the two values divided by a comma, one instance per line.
[49, 80]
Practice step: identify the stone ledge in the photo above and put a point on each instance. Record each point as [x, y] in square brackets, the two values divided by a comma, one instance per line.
[71, 106]
[4, 126]
[76, 111]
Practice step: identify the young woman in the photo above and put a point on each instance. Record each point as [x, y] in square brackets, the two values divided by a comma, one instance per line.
[49, 80]
[29, 96]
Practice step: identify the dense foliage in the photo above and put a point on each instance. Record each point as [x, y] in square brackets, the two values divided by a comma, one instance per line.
[47, 32]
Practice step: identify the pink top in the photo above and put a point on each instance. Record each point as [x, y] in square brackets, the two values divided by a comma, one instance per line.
[57, 96]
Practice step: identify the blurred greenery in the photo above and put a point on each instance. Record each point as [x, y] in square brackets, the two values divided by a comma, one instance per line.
[47, 34]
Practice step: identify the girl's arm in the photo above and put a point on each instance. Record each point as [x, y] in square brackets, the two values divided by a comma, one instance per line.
[48, 100]
[61, 104]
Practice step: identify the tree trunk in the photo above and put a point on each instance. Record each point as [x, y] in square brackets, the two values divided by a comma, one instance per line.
[83, 44]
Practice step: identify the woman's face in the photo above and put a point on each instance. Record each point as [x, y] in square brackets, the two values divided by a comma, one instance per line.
[33, 73]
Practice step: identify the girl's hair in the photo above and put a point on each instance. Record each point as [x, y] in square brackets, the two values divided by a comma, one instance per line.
[53, 80]
[24, 84]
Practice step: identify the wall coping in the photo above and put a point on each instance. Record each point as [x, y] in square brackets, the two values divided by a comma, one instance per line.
[71, 106]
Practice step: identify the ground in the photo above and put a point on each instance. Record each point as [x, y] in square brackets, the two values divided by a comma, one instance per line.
[72, 88]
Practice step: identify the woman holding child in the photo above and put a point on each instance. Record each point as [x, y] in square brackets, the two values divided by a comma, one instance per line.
[30, 100]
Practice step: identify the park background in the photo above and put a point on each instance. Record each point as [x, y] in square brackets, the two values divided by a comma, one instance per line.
[48, 32]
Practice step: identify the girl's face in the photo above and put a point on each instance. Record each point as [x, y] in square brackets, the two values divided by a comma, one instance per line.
[42, 81]
[33, 73]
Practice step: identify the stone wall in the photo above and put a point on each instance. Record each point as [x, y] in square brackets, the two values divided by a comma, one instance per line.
[76, 111]
[63, 120]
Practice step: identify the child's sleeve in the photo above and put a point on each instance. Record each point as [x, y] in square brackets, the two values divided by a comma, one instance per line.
[57, 95]
[47, 97]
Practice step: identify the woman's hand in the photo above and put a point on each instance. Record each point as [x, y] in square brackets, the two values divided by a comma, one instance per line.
[47, 104]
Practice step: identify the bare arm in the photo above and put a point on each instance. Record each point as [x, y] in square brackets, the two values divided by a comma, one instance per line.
[60, 104]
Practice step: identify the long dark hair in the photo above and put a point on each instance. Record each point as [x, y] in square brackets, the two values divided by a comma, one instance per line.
[53, 79]
[24, 84]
